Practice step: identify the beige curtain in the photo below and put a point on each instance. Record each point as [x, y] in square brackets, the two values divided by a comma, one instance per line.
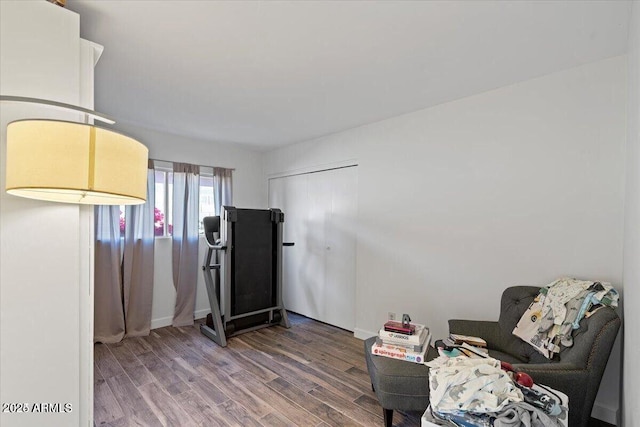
[222, 196]
[222, 188]
[124, 278]
[108, 312]
[137, 265]
[186, 203]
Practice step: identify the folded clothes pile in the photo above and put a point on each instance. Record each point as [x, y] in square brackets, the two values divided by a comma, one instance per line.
[551, 318]
[478, 392]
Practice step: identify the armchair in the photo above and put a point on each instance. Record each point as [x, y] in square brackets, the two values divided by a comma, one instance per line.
[578, 372]
[580, 368]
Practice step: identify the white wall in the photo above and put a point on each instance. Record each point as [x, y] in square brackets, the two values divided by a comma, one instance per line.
[247, 193]
[631, 396]
[45, 258]
[247, 177]
[164, 294]
[519, 185]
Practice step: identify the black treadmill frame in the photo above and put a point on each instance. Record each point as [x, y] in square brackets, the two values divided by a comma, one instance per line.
[223, 317]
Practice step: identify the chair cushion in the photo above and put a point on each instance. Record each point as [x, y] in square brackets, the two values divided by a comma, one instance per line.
[504, 357]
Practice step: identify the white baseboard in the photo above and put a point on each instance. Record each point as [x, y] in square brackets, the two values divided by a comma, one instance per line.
[604, 413]
[199, 314]
[362, 334]
[161, 322]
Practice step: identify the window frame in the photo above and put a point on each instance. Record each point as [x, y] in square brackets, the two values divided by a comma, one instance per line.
[206, 172]
[167, 171]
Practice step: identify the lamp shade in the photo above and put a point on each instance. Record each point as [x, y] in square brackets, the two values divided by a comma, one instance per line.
[74, 163]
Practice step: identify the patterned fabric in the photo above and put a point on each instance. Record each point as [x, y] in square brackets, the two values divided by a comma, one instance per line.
[528, 328]
[522, 414]
[476, 385]
[463, 418]
[549, 321]
[599, 295]
[559, 293]
[573, 310]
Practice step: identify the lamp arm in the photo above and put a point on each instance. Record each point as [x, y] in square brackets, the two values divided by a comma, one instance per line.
[95, 115]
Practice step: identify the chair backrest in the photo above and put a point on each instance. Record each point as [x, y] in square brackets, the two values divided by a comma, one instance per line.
[515, 301]
[589, 344]
[581, 366]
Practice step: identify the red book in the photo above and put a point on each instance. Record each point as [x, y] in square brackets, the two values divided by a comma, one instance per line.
[399, 327]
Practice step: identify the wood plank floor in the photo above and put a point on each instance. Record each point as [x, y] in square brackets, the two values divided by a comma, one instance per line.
[310, 375]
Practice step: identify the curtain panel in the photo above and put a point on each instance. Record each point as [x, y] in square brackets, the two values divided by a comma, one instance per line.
[124, 268]
[137, 265]
[185, 238]
[222, 188]
[108, 312]
[124, 277]
[222, 196]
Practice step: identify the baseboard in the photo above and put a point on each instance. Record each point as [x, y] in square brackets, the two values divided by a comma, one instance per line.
[200, 314]
[362, 334]
[604, 413]
[161, 322]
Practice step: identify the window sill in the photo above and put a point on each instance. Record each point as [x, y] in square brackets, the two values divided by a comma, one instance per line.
[201, 236]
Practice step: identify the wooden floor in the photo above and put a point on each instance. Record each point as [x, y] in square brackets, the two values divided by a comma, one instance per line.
[310, 375]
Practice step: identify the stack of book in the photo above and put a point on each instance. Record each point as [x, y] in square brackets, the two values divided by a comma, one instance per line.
[402, 343]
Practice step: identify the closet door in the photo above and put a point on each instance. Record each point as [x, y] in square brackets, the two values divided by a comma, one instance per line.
[340, 249]
[301, 263]
[319, 271]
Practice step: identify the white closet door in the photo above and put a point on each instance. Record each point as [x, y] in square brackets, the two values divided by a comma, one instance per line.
[340, 246]
[319, 271]
[303, 279]
[312, 233]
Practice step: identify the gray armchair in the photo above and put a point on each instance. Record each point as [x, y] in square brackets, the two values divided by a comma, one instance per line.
[577, 373]
[580, 368]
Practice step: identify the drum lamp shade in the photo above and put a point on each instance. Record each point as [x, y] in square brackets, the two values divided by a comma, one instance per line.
[74, 163]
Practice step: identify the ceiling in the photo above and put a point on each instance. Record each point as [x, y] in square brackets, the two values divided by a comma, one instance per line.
[271, 73]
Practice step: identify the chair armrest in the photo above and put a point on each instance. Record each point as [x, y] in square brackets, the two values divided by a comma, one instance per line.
[568, 378]
[549, 368]
[562, 376]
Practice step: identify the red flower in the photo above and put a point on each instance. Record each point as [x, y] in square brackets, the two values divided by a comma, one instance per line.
[158, 218]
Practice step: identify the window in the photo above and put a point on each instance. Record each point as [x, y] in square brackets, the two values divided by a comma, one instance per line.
[164, 196]
[207, 204]
[122, 222]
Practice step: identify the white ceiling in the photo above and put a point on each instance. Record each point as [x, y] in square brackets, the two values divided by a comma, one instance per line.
[270, 73]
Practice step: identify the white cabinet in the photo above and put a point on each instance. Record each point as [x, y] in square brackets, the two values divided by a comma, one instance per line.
[319, 272]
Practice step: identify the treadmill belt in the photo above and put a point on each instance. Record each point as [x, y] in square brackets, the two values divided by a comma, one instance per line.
[252, 261]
